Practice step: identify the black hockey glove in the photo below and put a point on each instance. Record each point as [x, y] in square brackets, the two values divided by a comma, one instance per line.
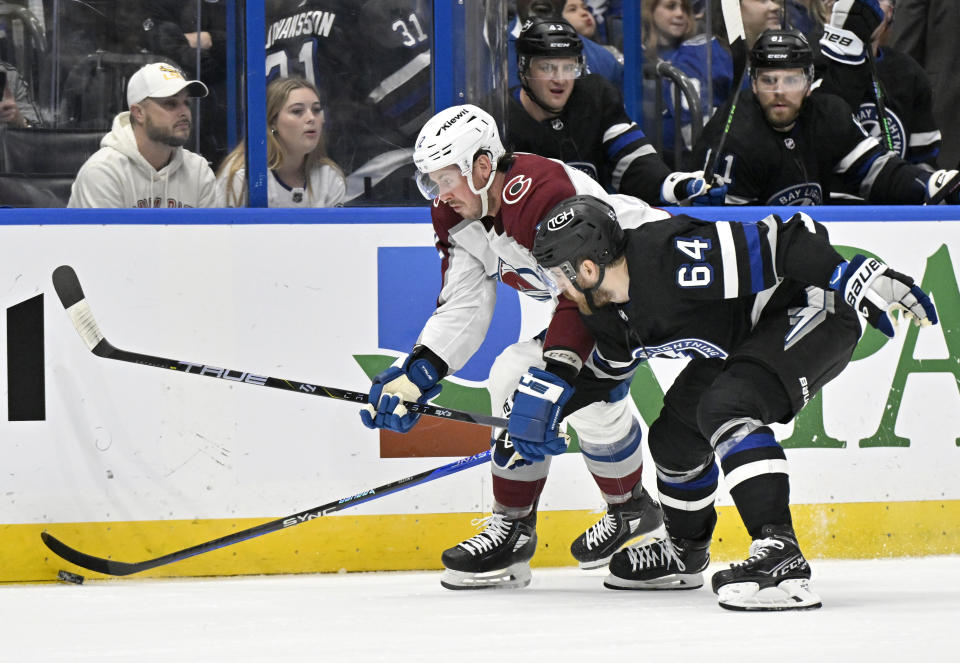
[875, 290]
[850, 28]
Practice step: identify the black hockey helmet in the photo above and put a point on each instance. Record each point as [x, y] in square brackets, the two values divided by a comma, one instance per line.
[579, 228]
[547, 37]
[781, 49]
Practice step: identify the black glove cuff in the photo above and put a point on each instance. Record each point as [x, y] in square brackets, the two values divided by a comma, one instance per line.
[423, 352]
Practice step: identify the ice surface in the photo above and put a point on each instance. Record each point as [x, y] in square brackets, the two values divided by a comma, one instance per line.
[876, 610]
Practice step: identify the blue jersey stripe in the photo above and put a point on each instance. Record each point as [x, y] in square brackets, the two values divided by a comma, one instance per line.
[755, 252]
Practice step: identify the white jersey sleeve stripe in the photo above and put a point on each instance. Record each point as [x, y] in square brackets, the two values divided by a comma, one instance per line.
[924, 138]
[728, 253]
[855, 154]
[625, 162]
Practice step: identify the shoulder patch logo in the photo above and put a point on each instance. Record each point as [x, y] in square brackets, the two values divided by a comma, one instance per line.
[516, 188]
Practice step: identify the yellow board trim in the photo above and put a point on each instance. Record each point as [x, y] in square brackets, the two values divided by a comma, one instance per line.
[408, 542]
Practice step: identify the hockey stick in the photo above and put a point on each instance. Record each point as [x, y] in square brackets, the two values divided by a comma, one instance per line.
[115, 568]
[737, 37]
[67, 285]
[878, 95]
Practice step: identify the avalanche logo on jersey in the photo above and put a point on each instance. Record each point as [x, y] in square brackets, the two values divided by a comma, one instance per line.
[523, 280]
[869, 118]
[808, 193]
[516, 188]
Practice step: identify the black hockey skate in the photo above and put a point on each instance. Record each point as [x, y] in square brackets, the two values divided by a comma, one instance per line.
[666, 564]
[775, 576]
[620, 526]
[499, 556]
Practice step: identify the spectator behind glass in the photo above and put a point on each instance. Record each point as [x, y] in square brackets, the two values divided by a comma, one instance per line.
[17, 109]
[927, 31]
[301, 173]
[668, 27]
[598, 59]
[141, 162]
[807, 16]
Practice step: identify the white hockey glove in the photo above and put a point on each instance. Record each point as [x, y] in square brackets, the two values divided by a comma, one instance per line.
[943, 187]
[680, 187]
[875, 290]
[850, 28]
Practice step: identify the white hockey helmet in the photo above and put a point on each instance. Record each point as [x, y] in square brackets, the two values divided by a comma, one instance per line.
[454, 136]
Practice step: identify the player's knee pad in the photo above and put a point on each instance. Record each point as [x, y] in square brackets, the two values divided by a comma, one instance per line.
[675, 447]
[505, 373]
[502, 461]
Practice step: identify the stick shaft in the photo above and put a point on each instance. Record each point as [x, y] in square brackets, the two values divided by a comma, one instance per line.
[117, 568]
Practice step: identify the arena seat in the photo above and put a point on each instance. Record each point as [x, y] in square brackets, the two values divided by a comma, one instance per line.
[48, 151]
[35, 190]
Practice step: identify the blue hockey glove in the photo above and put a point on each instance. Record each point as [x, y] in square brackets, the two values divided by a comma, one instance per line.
[682, 187]
[874, 290]
[415, 381]
[534, 426]
[850, 28]
[943, 187]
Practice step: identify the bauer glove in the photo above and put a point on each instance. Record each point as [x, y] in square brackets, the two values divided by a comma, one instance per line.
[681, 187]
[534, 425]
[416, 381]
[943, 187]
[850, 29]
[875, 290]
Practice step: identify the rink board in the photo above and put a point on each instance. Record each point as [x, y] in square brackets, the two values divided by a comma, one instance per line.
[134, 462]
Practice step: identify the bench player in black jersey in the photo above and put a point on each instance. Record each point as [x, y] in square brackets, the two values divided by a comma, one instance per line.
[786, 142]
[560, 112]
[766, 313]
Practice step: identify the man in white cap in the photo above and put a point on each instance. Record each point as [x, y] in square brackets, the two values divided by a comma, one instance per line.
[141, 162]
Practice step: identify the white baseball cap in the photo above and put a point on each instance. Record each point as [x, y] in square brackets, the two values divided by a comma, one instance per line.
[160, 79]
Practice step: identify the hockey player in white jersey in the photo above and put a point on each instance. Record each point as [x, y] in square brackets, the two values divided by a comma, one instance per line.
[486, 205]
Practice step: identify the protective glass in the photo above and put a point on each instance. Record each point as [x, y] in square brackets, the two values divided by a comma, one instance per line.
[554, 69]
[780, 81]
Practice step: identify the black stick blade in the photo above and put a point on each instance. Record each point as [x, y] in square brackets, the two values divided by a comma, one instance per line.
[89, 562]
[67, 285]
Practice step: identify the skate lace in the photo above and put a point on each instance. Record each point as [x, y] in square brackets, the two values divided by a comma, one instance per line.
[760, 549]
[496, 532]
[602, 530]
[660, 553]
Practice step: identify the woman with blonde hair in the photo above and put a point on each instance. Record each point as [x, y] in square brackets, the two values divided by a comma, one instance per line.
[668, 34]
[301, 173]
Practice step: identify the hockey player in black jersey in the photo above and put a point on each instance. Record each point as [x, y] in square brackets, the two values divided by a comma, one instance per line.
[766, 313]
[785, 143]
[561, 113]
[908, 127]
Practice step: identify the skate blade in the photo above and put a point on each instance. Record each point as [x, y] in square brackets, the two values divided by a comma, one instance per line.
[515, 576]
[792, 594]
[644, 539]
[672, 581]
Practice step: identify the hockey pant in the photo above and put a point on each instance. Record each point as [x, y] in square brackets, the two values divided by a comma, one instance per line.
[599, 411]
[721, 410]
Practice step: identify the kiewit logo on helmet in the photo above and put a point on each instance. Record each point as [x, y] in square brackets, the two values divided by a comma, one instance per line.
[561, 219]
[449, 123]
